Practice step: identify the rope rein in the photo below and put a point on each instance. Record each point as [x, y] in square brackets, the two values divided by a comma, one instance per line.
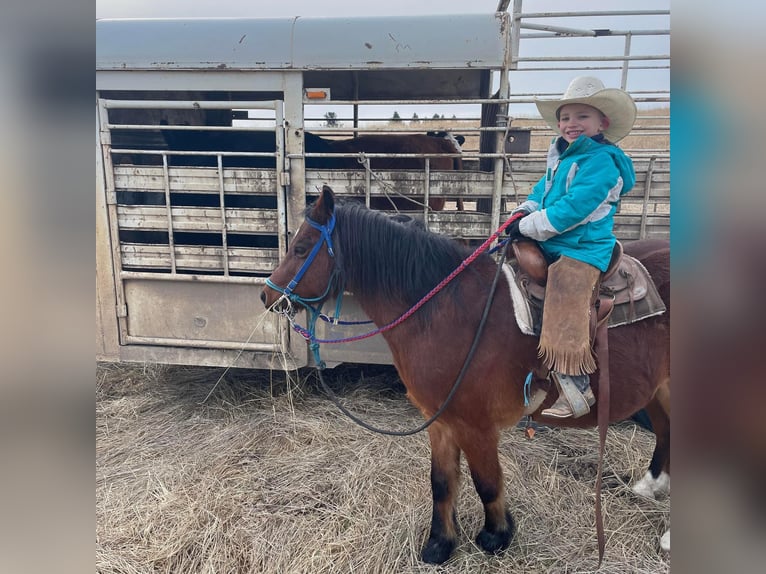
[308, 334]
[455, 385]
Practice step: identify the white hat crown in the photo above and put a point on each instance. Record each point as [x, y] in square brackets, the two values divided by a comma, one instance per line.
[583, 87]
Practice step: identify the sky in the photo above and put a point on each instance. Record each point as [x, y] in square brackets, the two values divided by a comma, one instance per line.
[522, 82]
[313, 8]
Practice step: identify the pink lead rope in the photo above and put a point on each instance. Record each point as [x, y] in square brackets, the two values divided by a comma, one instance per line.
[459, 269]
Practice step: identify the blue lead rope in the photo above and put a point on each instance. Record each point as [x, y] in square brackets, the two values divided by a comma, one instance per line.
[527, 384]
[500, 244]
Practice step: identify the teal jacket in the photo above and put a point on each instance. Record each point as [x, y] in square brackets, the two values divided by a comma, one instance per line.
[572, 207]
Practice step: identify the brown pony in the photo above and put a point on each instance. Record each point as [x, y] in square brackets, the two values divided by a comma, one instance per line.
[389, 267]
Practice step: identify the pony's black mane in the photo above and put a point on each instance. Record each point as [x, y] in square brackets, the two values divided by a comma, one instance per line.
[400, 261]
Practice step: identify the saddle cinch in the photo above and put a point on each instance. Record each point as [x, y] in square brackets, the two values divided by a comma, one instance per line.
[626, 291]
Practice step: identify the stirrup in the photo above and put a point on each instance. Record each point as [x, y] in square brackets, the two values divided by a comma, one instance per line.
[571, 402]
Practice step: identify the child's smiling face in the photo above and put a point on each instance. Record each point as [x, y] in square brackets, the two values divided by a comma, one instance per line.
[578, 119]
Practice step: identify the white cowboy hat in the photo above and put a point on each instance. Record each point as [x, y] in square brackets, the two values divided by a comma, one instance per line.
[615, 104]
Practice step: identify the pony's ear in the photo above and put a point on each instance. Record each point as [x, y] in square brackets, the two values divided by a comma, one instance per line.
[324, 206]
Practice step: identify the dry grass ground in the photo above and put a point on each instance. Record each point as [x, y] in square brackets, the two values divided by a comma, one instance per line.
[267, 476]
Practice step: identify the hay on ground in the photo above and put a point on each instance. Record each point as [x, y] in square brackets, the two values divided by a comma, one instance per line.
[266, 475]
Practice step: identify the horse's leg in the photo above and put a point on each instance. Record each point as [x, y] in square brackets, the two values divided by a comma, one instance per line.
[445, 475]
[663, 398]
[656, 481]
[437, 203]
[480, 450]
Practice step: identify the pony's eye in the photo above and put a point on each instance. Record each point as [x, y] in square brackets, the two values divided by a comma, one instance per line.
[300, 250]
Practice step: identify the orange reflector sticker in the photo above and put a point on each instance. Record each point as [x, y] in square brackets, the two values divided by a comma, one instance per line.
[316, 94]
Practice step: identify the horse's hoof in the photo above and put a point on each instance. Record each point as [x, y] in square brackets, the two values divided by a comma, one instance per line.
[495, 542]
[665, 542]
[650, 487]
[437, 550]
[643, 489]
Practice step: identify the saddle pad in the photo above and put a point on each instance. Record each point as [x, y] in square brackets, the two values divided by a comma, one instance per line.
[521, 307]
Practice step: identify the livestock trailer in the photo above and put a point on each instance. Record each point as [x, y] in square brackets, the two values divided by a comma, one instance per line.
[206, 160]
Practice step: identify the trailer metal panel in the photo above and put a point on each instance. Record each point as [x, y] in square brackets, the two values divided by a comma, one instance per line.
[443, 41]
[201, 314]
[178, 276]
[107, 342]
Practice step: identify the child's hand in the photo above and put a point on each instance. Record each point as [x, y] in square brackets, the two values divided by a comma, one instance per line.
[513, 231]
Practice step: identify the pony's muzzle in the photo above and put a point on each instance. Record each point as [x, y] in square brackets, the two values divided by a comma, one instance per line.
[273, 300]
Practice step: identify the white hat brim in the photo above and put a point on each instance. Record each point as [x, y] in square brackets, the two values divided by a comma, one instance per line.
[615, 104]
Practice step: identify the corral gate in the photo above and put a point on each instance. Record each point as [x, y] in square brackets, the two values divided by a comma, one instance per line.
[190, 243]
[186, 237]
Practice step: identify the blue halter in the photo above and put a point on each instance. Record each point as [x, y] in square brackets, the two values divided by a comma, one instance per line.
[326, 231]
[315, 312]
